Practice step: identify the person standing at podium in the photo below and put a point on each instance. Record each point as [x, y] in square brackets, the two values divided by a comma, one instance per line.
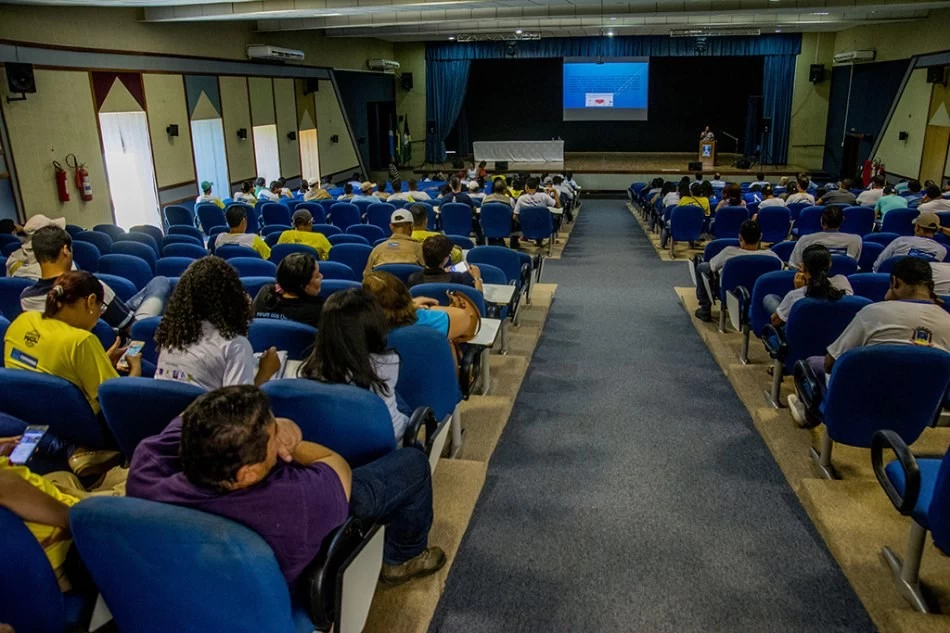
[707, 135]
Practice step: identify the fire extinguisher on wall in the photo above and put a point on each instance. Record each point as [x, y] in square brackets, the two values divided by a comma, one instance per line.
[61, 189]
[82, 178]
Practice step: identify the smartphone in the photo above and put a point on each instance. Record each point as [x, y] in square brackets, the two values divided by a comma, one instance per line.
[134, 348]
[27, 444]
[461, 267]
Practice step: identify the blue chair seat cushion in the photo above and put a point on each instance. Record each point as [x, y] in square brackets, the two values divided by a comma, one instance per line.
[928, 483]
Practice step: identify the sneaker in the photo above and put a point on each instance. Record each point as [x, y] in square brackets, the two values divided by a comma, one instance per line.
[703, 315]
[425, 564]
[85, 462]
[797, 409]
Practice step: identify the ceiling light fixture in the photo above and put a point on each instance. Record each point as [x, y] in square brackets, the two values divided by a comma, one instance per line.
[518, 32]
[820, 13]
[451, 37]
[778, 30]
[613, 18]
[610, 33]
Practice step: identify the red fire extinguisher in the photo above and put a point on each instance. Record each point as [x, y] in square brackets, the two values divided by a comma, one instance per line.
[82, 178]
[61, 182]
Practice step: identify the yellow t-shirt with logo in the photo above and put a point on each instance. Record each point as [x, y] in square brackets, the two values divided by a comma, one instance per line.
[316, 241]
[54, 540]
[50, 346]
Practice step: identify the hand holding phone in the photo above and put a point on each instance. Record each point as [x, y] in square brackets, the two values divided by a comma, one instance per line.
[28, 443]
[134, 349]
[461, 267]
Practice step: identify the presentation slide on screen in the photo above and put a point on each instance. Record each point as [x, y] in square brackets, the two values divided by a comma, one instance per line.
[606, 89]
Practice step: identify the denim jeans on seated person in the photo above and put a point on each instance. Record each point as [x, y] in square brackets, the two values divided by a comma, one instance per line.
[150, 301]
[771, 302]
[396, 490]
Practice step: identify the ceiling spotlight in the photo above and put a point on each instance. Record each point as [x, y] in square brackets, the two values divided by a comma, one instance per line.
[451, 37]
[518, 32]
[610, 33]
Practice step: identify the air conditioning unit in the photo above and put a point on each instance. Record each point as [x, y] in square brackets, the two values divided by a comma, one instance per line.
[386, 65]
[261, 51]
[854, 57]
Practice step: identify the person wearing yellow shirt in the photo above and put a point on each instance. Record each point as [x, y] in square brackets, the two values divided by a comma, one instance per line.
[237, 221]
[695, 199]
[302, 233]
[420, 231]
[207, 196]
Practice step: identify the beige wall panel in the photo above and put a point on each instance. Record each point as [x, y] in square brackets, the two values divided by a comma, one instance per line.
[165, 102]
[236, 112]
[810, 103]
[899, 42]
[285, 104]
[339, 156]
[903, 157]
[58, 120]
[261, 90]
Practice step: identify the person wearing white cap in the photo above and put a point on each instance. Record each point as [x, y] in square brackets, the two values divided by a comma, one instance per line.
[400, 248]
[366, 193]
[316, 192]
[920, 244]
[473, 192]
[22, 262]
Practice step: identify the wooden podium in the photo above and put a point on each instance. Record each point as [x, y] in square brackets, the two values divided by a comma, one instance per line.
[707, 154]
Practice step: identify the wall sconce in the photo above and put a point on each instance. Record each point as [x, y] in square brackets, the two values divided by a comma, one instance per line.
[291, 136]
[335, 138]
[902, 136]
[172, 130]
[242, 133]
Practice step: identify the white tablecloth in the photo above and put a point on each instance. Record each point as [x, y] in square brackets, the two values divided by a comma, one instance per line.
[520, 151]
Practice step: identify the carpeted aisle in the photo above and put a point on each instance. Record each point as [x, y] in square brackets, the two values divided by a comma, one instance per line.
[630, 491]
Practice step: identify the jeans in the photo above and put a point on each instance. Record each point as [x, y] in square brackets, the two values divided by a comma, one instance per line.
[771, 303]
[703, 271]
[150, 301]
[396, 490]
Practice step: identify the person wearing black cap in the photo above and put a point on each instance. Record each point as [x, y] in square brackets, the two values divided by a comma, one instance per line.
[303, 233]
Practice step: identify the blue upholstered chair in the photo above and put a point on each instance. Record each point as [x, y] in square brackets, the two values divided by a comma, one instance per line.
[728, 220]
[178, 216]
[900, 221]
[496, 219]
[271, 239]
[276, 213]
[779, 283]
[888, 264]
[775, 223]
[870, 251]
[270, 229]
[456, 218]
[135, 269]
[295, 338]
[100, 240]
[880, 238]
[842, 265]
[72, 229]
[362, 205]
[137, 249]
[86, 256]
[192, 251]
[111, 230]
[402, 271]
[686, 225]
[369, 232]
[379, 214]
[122, 287]
[353, 255]
[783, 250]
[280, 251]
[253, 285]
[329, 286]
[155, 232]
[871, 286]
[740, 272]
[173, 266]
[795, 209]
[438, 291]
[343, 215]
[327, 230]
[229, 251]
[180, 239]
[253, 267]
[517, 271]
[130, 422]
[317, 211]
[348, 238]
[187, 230]
[537, 223]
[210, 215]
[462, 241]
[858, 220]
[809, 221]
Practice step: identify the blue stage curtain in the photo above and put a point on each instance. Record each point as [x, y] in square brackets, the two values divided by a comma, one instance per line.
[778, 76]
[446, 83]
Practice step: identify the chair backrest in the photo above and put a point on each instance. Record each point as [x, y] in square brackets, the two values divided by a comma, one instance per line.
[814, 324]
[775, 223]
[137, 408]
[253, 285]
[427, 370]
[276, 213]
[10, 290]
[46, 399]
[192, 251]
[363, 205]
[155, 232]
[135, 269]
[251, 213]
[13, 239]
[809, 221]
[456, 218]
[136, 249]
[10, 248]
[402, 271]
[270, 229]
[111, 230]
[353, 255]
[142, 238]
[352, 421]
[728, 221]
[504, 258]
[326, 205]
[843, 265]
[880, 238]
[872, 286]
[888, 264]
[122, 287]
[379, 214]
[783, 249]
[187, 230]
[210, 215]
[218, 574]
[144, 330]
[348, 238]
[795, 209]
[870, 251]
[30, 598]
[462, 241]
[686, 223]
[327, 230]
[253, 267]
[280, 251]
[173, 266]
[779, 283]
[909, 385]
[537, 223]
[329, 286]
[496, 219]
[900, 221]
[271, 239]
[317, 211]
[180, 239]
[716, 246]
[858, 220]
[98, 239]
[369, 232]
[86, 256]
[344, 215]
[295, 338]
[438, 292]
[227, 251]
[744, 271]
[177, 215]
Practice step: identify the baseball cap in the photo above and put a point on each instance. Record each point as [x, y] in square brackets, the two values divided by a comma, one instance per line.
[549, 180]
[205, 185]
[473, 185]
[302, 216]
[928, 220]
[400, 216]
[366, 186]
[37, 222]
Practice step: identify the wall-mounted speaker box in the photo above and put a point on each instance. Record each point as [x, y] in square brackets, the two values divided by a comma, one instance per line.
[936, 74]
[20, 77]
[430, 127]
[816, 73]
[695, 166]
[406, 81]
[501, 165]
[311, 84]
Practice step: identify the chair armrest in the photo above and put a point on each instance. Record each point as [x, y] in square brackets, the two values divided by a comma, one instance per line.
[776, 350]
[808, 384]
[745, 300]
[525, 276]
[881, 441]
[422, 417]
[467, 370]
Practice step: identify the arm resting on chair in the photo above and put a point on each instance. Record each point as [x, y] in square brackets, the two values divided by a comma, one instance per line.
[881, 441]
[774, 340]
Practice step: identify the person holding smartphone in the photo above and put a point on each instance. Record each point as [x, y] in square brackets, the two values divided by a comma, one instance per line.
[437, 253]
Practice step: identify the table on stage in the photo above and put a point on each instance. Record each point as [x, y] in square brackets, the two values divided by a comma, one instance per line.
[520, 151]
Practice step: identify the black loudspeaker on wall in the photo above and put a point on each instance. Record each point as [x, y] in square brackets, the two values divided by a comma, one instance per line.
[20, 77]
[816, 73]
[406, 81]
[311, 84]
[936, 75]
[695, 166]
[430, 127]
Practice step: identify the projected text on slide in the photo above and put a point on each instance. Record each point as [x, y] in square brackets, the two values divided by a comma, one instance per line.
[612, 89]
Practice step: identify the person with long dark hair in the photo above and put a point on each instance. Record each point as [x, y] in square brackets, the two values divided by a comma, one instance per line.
[351, 349]
[731, 197]
[202, 338]
[811, 281]
[296, 295]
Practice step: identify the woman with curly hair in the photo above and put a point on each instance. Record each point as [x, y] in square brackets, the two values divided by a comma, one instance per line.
[202, 338]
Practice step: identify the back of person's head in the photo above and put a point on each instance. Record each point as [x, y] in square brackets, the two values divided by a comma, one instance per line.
[760, 176]
[260, 182]
[716, 176]
[420, 215]
[235, 215]
[381, 186]
[912, 275]
[699, 176]
[532, 183]
[348, 188]
[767, 191]
[7, 226]
[246, 186]
[396, 185]
[750, 232]
[499, 186]
[816, 261]
[832, 217]
[412, 184]
[295, 272]
[70, 287]
[878, 181]
[356, 176]
[889, 190]
[683, 188]
[209, 290]
[569, 175]
[706, 189]
[392, 296]
[914, 186]
[435, 250]
[755, 188]
[845, 184]
[732, 193]
[803, 182]
[275, 186]
[223, 431]
[791, 187]
[49, 242]
[557, 180]
[668, 187]
[455, 184]
[696, 189]
[352, 326]
[933, 192]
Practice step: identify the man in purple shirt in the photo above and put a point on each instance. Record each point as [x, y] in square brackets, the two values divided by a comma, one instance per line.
[227, 455]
